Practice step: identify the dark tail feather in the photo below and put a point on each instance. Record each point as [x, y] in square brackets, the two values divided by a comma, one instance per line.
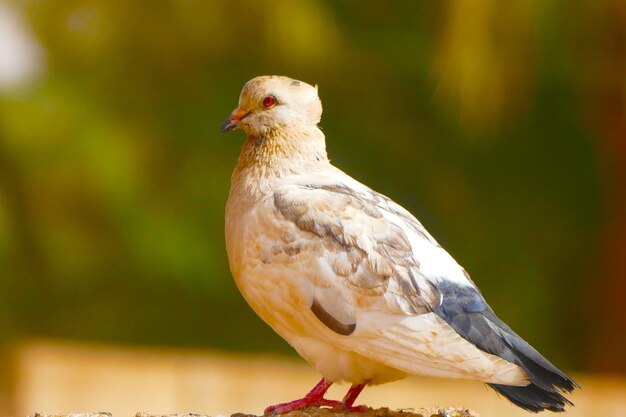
[547, 381]
[533, 398]
[465, 309]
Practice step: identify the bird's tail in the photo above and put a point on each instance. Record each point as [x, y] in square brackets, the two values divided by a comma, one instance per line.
[547, 382]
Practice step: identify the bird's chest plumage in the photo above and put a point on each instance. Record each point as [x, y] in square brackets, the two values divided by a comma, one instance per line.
[267, 267]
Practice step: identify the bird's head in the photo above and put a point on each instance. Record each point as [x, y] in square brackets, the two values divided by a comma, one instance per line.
[273, 102]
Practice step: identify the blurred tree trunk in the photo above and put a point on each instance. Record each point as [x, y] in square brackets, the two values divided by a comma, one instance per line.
[604, 68]
[26, 251]
[24, 271]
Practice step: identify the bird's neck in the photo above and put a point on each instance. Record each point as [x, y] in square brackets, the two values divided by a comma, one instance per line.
[277, 154]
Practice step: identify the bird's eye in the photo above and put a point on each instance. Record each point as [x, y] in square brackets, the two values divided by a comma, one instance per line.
[269, 101]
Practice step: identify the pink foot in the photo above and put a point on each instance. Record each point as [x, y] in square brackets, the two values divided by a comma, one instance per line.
[315, 398]
[302, 403]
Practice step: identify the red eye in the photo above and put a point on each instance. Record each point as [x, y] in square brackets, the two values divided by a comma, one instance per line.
[268, 102]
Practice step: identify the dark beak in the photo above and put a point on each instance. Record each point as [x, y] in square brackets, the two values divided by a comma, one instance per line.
[228, 125]
[233, 120]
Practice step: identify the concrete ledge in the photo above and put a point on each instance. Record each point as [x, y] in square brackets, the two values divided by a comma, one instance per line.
[308, 412]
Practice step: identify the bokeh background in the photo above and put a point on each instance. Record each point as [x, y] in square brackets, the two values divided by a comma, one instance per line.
[501, 125]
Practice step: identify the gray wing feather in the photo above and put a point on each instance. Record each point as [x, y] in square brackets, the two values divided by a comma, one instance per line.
[370, 253]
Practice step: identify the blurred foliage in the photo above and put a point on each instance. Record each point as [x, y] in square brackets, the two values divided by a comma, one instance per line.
[475, 116]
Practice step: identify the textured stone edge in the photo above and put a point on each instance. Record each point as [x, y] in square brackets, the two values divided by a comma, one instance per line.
[308, 412]
[99, 414]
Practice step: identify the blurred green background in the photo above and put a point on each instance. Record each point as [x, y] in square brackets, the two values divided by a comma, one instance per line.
[501, 125]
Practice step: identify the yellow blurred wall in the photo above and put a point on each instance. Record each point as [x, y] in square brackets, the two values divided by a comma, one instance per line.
[53, 376]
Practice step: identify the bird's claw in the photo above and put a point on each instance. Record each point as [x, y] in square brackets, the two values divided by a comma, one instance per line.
[302, 403]
[354, 408]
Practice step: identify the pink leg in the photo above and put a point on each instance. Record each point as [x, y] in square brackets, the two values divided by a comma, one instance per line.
[352, 394]
[350, 398]
[315, 397]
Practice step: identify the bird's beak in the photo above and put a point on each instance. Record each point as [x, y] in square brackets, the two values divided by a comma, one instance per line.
[233, 120]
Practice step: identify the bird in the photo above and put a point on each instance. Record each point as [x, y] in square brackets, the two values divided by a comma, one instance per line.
[349, 278]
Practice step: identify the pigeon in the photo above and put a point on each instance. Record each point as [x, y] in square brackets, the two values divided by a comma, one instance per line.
[352, 280]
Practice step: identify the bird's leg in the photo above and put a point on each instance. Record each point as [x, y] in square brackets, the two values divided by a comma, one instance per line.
[350, 397]
[315, 398]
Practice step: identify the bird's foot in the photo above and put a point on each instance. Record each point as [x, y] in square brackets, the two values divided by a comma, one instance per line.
[306, 403]
[300, 404]
[315, 398]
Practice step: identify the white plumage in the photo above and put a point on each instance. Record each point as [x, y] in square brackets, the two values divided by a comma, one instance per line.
[348, 277]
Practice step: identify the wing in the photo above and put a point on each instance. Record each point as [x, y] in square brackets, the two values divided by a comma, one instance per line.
[358, 248]
[415, 306]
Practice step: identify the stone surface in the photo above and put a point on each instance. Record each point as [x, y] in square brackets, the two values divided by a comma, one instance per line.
[99, 414]
[382, 412]
[307, 412]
